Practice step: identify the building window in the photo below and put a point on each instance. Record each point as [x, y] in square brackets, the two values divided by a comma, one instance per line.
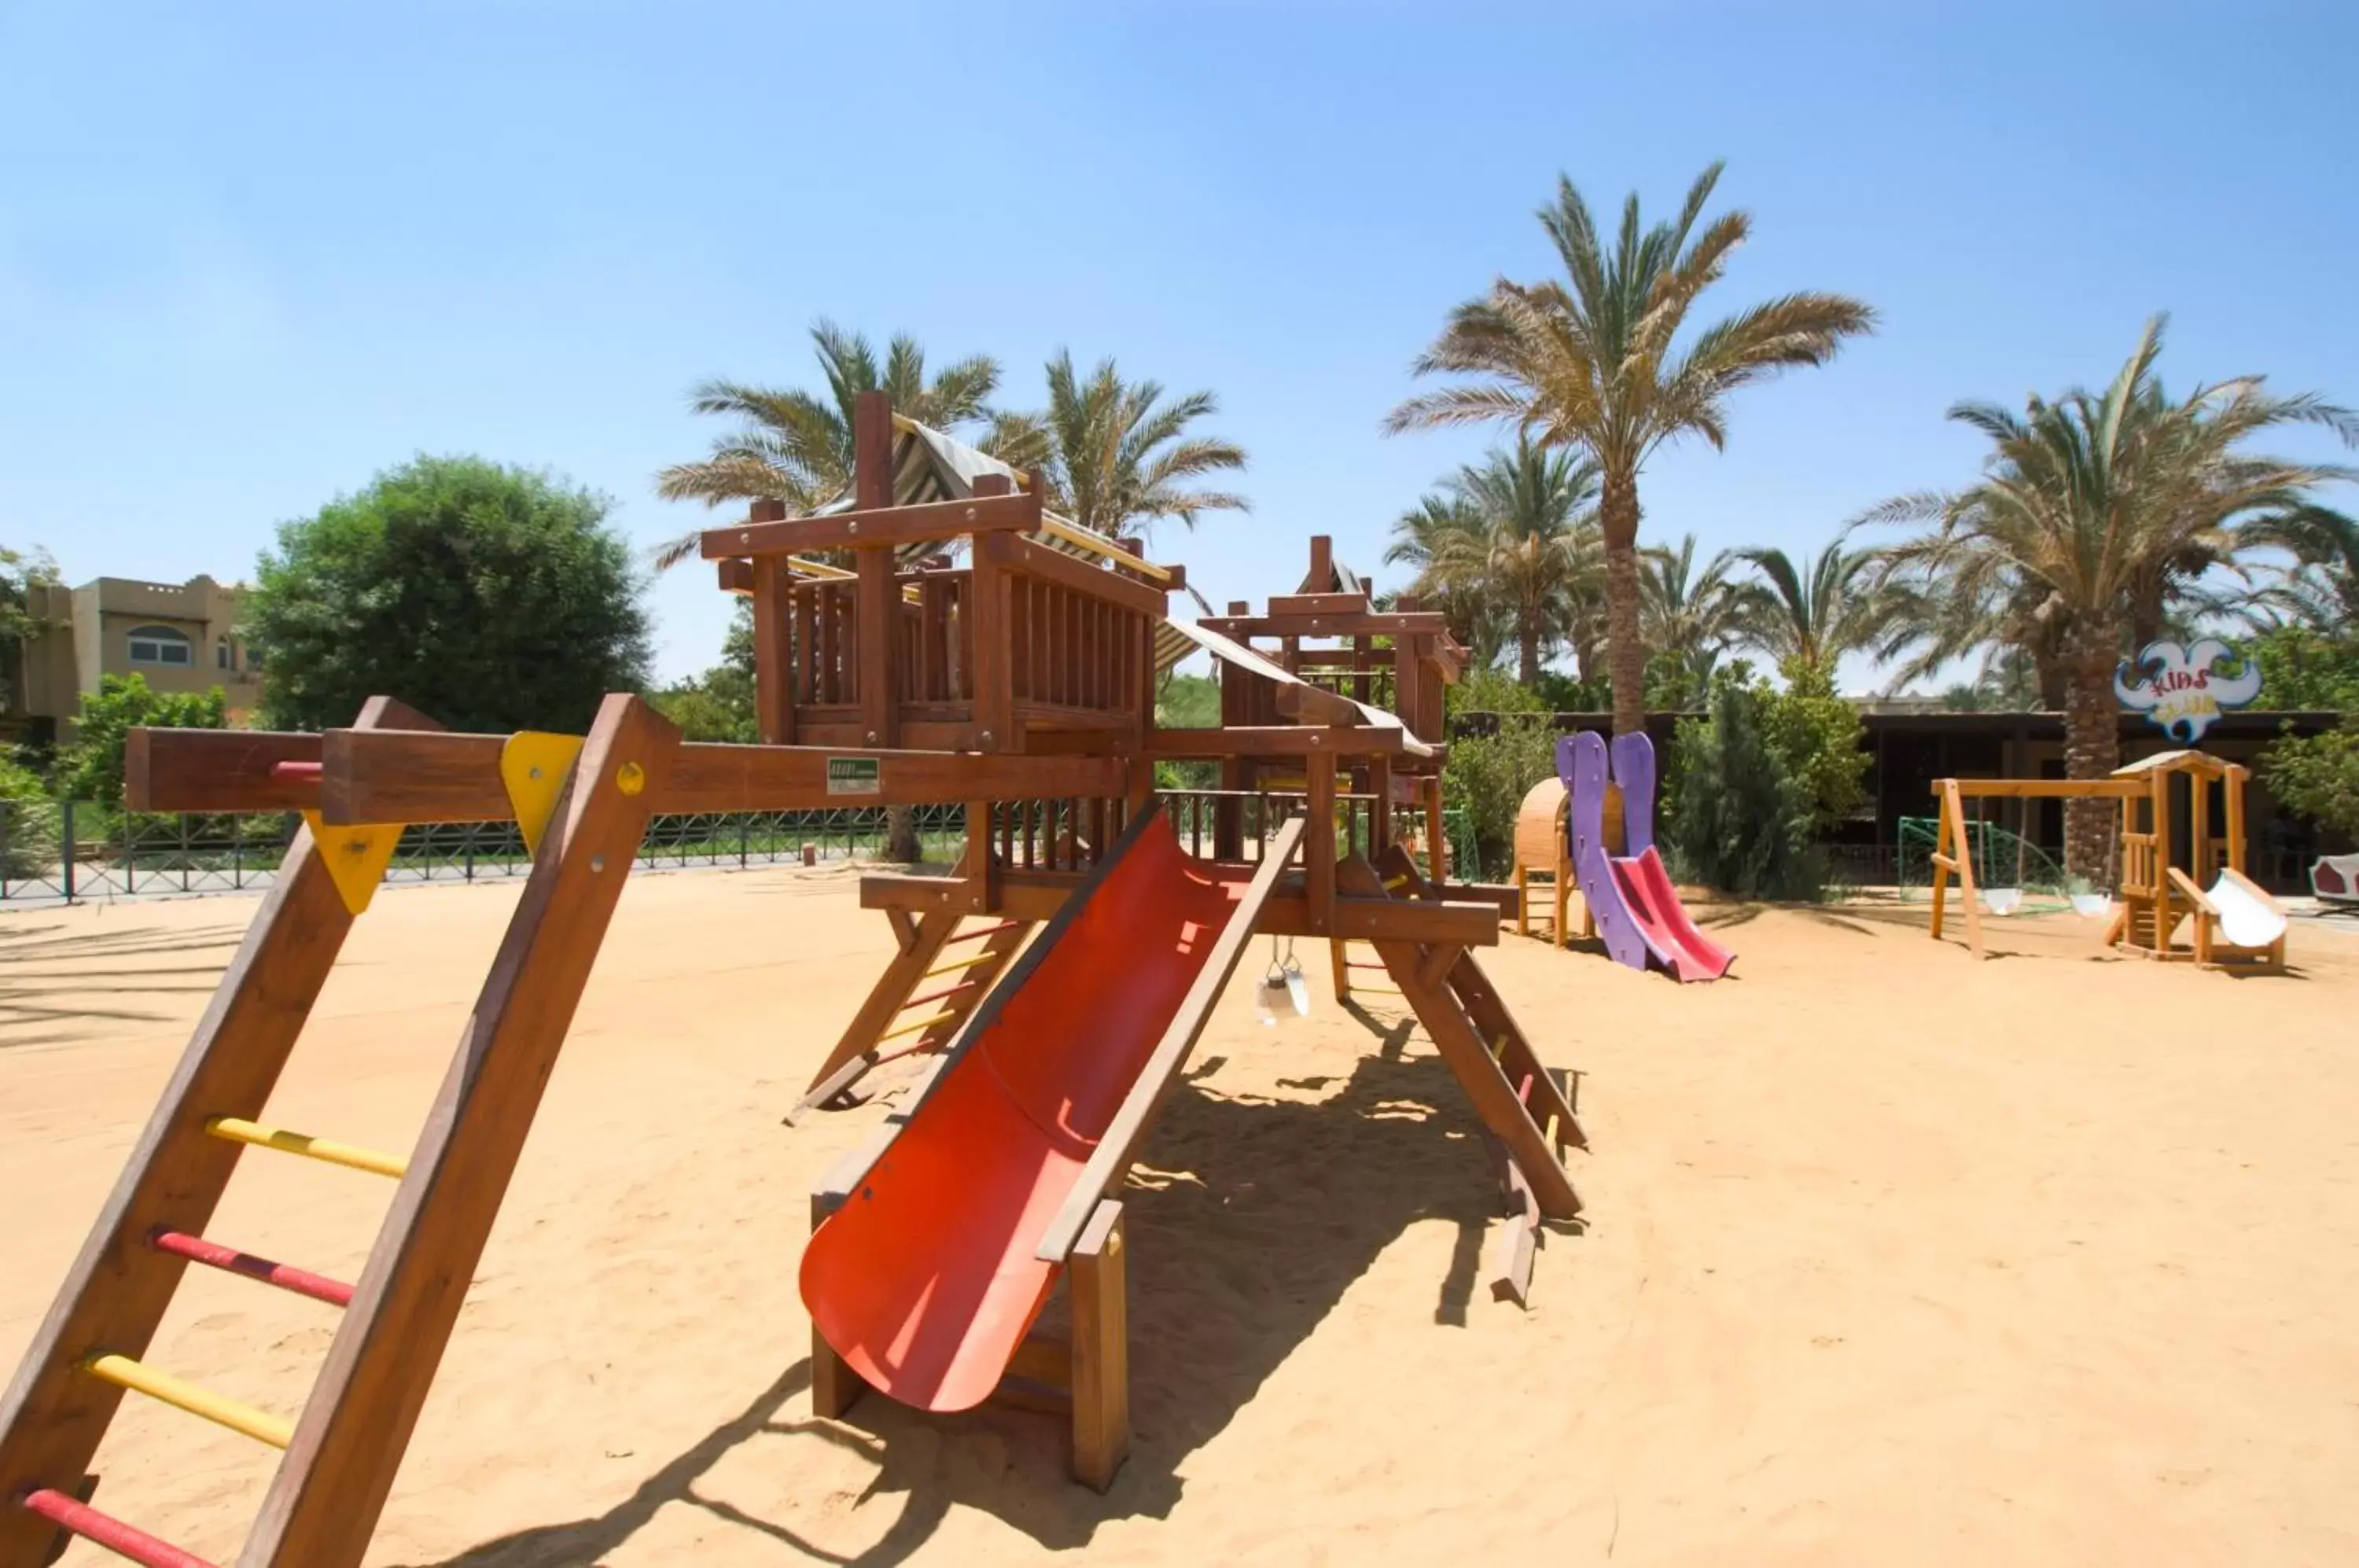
[223, 657]
[162, 644]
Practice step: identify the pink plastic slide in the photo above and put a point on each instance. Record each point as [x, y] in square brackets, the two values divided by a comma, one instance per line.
[1654, 904]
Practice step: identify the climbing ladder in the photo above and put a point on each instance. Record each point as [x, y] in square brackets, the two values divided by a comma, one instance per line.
[953, 987]
[1526, 1107]
[340, 1452]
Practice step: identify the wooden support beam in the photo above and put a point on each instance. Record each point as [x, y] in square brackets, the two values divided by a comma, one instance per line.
[2041, 788]
[1020, 554]
[52, 1416]
[1394, 623]
[325, 1499]
[1037, 895]
[990, 638]
[217, 770]
[835, 1388]
[883, 527]
[369, 776]
[1276, 740]
[1127, 1130]
[1317, 604]
[1099, 1279]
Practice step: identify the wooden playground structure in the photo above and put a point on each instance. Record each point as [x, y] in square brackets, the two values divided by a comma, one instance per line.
[976, 651]
[2156, 896]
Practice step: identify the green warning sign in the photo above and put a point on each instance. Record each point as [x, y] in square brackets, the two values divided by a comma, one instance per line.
[853, 776]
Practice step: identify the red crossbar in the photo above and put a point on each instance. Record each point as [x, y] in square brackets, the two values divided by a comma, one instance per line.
[987, 931]
[213, 1255]
[936, 995]
[1355, 963]
[121, 1539]
[292, 770]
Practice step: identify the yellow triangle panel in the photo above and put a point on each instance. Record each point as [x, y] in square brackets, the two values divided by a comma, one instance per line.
[534, 765]
[355, 857]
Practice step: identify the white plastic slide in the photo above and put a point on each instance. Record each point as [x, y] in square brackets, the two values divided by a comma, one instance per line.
[2248, 917]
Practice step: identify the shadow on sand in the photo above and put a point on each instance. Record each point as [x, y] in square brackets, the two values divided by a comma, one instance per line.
[1249, 1218]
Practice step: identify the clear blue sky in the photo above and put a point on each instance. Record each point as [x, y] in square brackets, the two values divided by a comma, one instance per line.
[250, 254]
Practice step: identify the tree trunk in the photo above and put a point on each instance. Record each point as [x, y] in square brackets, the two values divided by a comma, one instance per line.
[901, 834]
[2093, 749]
[1625, 653]
[1528, 656]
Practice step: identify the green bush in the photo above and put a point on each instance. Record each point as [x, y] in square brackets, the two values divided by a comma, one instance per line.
[1817, 734]
[28, 823]
[1486, 776]
[1741, 822]
[92, 768]
[2316, 776]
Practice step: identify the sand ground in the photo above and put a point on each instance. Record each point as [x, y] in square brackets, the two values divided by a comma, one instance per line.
[1892, 1258]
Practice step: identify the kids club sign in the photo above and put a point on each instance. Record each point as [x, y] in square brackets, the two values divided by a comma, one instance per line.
[2181, 691]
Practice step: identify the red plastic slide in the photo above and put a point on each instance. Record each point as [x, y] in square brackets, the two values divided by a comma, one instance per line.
[925, 1280]
[1654, 905]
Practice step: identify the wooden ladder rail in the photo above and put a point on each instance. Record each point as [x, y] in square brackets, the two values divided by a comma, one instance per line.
[55, 1414]
[867, 1042]
[324, 1502]
[1518, 1111]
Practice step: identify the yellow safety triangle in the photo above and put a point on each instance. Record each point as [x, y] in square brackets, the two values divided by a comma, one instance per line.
[534, 765]
[355, 857]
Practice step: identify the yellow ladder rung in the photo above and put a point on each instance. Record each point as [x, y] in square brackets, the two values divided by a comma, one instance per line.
[1499, 1049]
[921, 1024]
[178, 1392]
[1551, 1130]
[1393, 882]
[955, 964]
[238, 1130]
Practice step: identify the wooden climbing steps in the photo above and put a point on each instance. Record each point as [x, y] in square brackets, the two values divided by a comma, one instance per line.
[340, 1453]
[934, 976]
[1525, 1105]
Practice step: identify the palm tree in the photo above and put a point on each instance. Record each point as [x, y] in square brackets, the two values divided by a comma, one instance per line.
[1687, 617]
[2321, 589]
[1118, 454]
[1443, 528]
[1596, 362]
[2087, 508]
[1808, 617]
[1517, 534]
[795, 446]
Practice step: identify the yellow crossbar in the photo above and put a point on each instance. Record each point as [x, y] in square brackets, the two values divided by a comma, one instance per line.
[239, 1131]
[125, 1373]
[955, 964]
[1393, 882]
[920, 1024]
[1499, 1049]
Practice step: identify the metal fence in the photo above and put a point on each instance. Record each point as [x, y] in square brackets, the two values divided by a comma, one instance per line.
[56, 852]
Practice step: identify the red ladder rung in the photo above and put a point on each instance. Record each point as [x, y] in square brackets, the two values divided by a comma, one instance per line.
[987, 931]
[937, 996]
[295, 770]
[1524, 1090]
[123, 1540]
[230, 1260]
[1355, 963]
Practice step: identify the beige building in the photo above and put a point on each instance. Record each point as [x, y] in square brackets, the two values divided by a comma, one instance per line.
[181, 636]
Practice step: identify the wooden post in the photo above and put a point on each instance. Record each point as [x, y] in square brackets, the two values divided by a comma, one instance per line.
[1099, 1279]
[324, 1501]
[1437, 833]
[54, 1415]
[1323, 565]
[879, 598]
[1380, 814]
[1319, 845]
[2232, 788]
[773, 684]
[990, 618]
[834, 1386]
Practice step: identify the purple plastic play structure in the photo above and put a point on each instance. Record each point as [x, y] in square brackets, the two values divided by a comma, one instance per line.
[1628, 891]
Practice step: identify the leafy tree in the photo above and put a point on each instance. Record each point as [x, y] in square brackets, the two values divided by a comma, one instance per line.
[718, 706]
[92, 768]
[1188, 703]
[21, 572]
[2304, 669]
[2089, 508]
[795, 446]
[2317, 776]
[493, 598]
[1597, 362]
[1118, 455]
[1740, 821]
[1818, 735]
[1516, 535]
[2321, 589]
[29, 822]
